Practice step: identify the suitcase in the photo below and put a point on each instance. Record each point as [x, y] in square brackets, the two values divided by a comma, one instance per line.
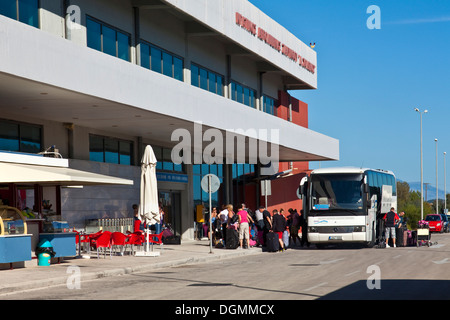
[273, 245]
[260, 236]
[412, 238]
[232, 239]
[403, 238]
[286, 238]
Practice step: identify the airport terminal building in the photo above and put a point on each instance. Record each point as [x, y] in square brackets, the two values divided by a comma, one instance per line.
[101, 79]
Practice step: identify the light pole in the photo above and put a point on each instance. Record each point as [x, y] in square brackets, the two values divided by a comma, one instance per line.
[437, 190]
[421, 164]
[445, 187]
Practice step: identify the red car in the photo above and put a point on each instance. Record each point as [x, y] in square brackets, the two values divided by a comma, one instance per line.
[435, 222]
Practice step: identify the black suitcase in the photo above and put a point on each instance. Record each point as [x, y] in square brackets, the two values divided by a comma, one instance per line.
[273, 245]
[232, 239]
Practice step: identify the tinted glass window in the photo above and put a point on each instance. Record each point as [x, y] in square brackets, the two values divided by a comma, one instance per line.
[167, 64]
[239, 92]
[9, 136]
[28, 12]
[158, 154]
[212, 82]
[8, 8]
[156, 59]
[123, 46]
[109, 40]
[96, 149]
[94, 35]
[30, 139]
[125, 152]
[178, 68]
[219, 86]
[194, 75]
[203, 79]
[145, 55]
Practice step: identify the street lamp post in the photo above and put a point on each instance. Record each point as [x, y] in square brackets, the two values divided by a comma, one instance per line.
[445, 187]
[421, 164]
[437, 189]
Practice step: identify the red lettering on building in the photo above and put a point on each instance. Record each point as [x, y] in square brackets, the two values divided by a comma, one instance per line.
[288, 52]
[269, 39]
[245, 23]
[263, 35]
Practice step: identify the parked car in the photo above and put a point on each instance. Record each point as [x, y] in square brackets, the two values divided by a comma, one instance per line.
[435, 222]
[446, 222]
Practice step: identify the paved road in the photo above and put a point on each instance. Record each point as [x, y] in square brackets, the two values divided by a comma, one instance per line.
[303, 274]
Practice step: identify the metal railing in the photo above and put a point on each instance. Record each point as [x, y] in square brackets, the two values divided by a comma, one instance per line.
[113, 225]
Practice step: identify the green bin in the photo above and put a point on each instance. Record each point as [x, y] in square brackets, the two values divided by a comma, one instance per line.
[44, 252]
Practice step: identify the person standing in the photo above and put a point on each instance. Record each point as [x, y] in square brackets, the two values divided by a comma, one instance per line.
[138, 225]
[304, 226]
[391, 218]
[295, 226]
[244, 232]
[267, 218]
[279, 226]
[259, 218]
[223, 216]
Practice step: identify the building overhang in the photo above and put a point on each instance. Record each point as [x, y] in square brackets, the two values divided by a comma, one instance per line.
[218, 19]
[46, 77]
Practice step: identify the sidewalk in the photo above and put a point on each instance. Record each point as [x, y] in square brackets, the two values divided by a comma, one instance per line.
[189, 252]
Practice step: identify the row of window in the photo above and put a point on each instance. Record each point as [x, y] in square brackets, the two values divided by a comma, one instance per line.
[25, 11]
[110, 150]
[206, 79]
[161, 61]
[112, 41]
[20, 137]
[107, 39]
[377, 179]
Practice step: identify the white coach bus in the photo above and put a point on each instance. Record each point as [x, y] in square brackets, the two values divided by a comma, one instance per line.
[344, 205]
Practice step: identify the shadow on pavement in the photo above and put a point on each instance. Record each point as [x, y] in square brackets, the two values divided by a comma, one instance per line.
[394, 290]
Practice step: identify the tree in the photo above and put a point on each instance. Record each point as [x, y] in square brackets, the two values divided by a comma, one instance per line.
[409, 202]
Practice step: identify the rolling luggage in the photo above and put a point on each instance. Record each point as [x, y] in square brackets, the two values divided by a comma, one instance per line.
[286, 238]
[260, 236]
[232, 239]
[402, 238]
[273, 245]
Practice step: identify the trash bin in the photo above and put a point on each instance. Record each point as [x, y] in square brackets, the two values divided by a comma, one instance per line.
[44, 253]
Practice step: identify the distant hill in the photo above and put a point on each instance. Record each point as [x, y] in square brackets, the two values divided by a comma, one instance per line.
[429, 193]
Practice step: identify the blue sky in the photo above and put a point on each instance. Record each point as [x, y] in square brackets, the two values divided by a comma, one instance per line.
[370, 81]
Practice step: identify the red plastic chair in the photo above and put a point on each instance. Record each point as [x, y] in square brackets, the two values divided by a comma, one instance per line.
[118, 239]
[135, 238]
[81, 239]
[156, 239]
[102, 241]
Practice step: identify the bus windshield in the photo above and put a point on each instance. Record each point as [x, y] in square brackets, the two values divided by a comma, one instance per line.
[331, 192]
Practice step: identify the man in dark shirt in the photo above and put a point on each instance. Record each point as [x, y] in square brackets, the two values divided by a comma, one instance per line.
[279, 225]
[391, 218]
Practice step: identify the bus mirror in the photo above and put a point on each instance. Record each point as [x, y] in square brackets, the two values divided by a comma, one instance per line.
[301, 191]
[303, 185]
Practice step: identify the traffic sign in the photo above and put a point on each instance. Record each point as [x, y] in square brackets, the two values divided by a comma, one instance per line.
[215, 183]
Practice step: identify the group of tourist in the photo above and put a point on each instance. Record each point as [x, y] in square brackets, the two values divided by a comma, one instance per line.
[252, 227]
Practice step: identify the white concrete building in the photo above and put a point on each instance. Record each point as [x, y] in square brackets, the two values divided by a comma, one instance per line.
[100, 79]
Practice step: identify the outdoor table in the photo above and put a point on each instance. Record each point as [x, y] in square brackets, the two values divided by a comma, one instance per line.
[63, 243]
[15, 248]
